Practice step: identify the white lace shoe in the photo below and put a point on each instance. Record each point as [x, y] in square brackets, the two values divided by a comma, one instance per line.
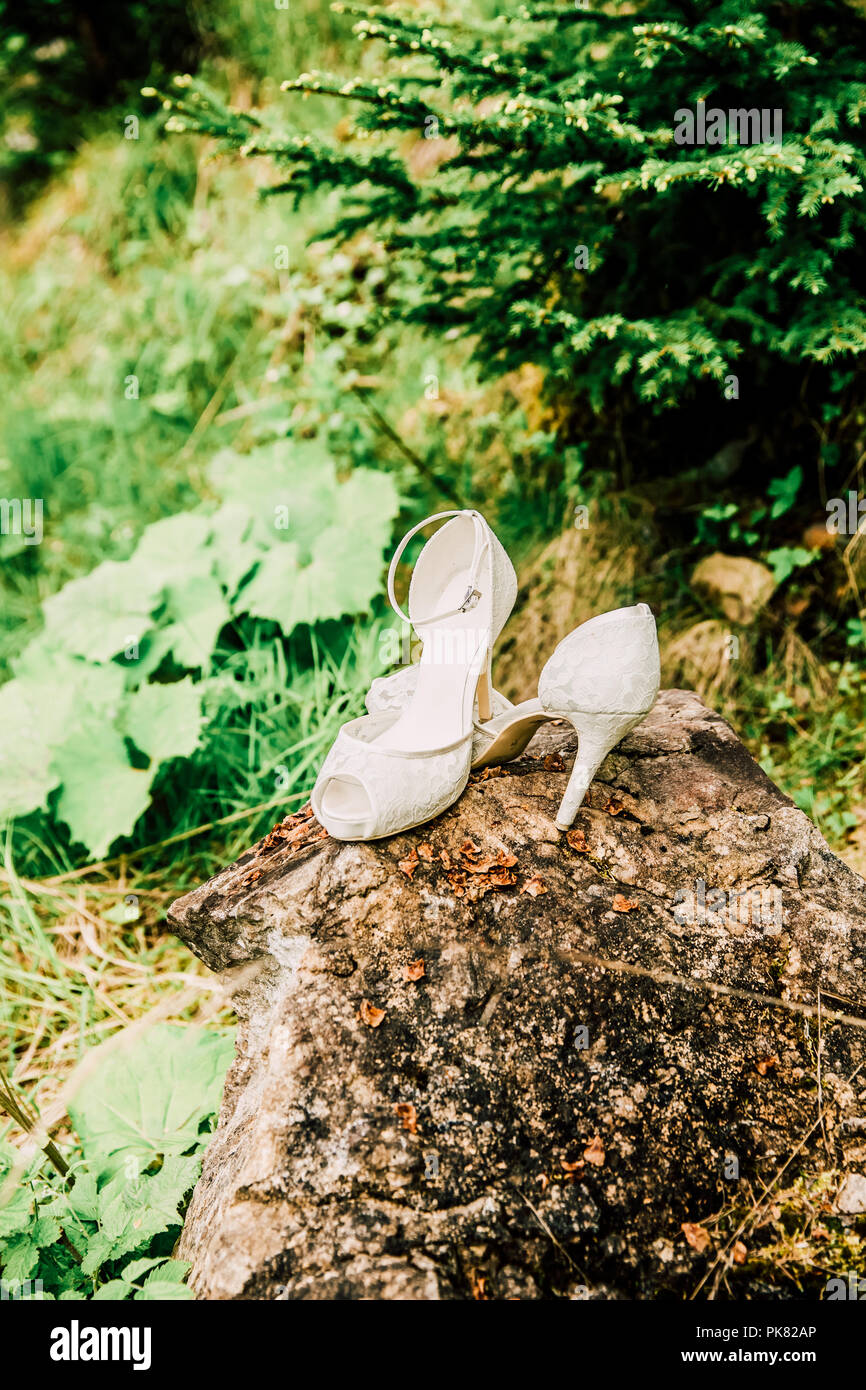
[401, 766]
[603, 678]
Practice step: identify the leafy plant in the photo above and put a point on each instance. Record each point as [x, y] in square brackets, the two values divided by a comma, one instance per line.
[856, 632]
[100, 702]
[680, 291]
[106, 1227]
[787, 558]
[784, 491]
[722, 523]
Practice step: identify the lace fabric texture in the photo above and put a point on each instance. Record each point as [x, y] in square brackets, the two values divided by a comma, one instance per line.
[503, 586]
[403, 789]
[603, 666]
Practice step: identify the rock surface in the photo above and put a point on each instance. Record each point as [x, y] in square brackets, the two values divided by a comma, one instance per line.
[485, 1060]
[739, 587]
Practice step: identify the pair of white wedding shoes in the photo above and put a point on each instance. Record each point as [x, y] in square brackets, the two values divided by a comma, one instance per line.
[429, 725]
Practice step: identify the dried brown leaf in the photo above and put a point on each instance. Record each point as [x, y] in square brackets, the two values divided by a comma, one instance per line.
[370, 1015]
[476, 885]
[408, 865]
[487, 772]
[697, 1237]
[500, 860]
[594, 1151]
[501, 878]
[408, 1116]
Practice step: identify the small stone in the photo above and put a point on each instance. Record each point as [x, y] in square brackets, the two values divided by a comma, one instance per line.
[739, 587]
[851, 1197]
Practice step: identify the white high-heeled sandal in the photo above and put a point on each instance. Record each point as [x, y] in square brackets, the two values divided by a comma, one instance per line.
[397, 768]
[603, 678]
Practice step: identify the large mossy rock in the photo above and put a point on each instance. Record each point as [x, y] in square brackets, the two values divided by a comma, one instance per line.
[485, 1059]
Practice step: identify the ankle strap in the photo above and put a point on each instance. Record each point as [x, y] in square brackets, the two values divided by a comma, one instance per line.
[473, 594]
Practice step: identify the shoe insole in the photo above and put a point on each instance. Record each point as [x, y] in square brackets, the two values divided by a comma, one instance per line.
[436, 716]
[346, 800]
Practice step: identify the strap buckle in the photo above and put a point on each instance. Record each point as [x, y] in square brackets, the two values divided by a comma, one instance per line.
[472, 596]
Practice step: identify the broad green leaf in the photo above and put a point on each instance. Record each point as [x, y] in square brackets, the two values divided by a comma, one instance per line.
[199, 609]
[172, 1271]
[150, 1096]
[173, 545]
[162, 1290]
[119, 1203]
[102, 796]
[366, 504]
[45, 1231]
[52, 693]
[135, 1233]
[233, 544]
[20, 1258]
[100, 614]
[333, 567]
[83, 1198]
[176, 549]
[164, 721]
[268, 594]
[114, 1291]
[132, 1211]
[284, 479]
[136, 1268]
[177, 1176]
[343, 576]
[16, 1210]
[62, 687]
[26, 774]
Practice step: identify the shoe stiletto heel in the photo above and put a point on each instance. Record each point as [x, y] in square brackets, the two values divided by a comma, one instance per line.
[597, 735]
